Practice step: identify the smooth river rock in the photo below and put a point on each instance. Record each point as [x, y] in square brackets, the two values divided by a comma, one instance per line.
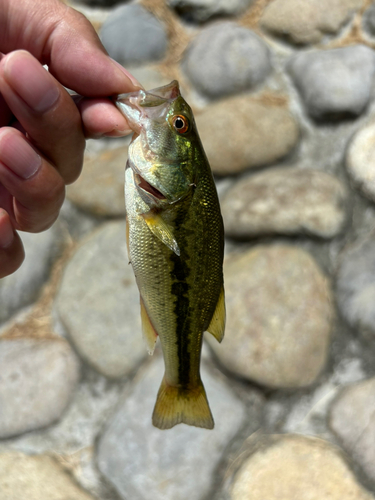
[279, 316]
[355, 286]
[285, 201]
[100, 188]
[352, 418]
[293, 467]
[36, 477]
[200, 11]
[37, 380]
[144, 462]
[334, 83]
[360, 160]
[241, 132]
[226, 58]
[305, 21]
[98, 303]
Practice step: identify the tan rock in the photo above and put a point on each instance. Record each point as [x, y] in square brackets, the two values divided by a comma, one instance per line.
[100, 188]
[35, 478]
[279, 315]
[241, 132]
[305, 21]
[293, 467]
[285, 201]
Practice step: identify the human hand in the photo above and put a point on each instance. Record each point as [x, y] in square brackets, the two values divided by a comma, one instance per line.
[42, 130]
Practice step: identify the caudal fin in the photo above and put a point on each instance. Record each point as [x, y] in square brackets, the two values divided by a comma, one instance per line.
[175, 405]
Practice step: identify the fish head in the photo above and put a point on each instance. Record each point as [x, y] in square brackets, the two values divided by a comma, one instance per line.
[164, 144]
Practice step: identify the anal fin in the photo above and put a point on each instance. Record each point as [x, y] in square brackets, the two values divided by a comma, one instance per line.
[161, 230]
[217, 325]
[149, 333]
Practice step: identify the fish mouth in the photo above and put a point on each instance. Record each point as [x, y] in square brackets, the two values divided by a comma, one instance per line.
[146, 186]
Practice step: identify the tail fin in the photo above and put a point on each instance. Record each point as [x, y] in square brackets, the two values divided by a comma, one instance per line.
[176, 405]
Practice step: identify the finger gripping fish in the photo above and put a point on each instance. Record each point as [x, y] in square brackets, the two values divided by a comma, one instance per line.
[175, 244]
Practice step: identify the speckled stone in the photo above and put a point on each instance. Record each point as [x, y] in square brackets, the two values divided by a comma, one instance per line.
[279, 315]
[285, 201]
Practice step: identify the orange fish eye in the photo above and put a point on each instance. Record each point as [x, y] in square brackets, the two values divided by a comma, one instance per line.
[180, 124]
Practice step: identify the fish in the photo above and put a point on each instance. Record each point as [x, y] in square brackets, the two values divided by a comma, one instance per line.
[175, 241]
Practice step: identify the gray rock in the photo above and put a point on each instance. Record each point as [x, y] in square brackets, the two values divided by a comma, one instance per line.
[369, 20]
[225, 59]
[100, 188]
[36, 477]
[360, 159]
[352, 418]
[304, 21]
[37, 380]
[285, 201]
[355, 286]
[150, 77]
[295, 467]
[201, 10]
[336, 82]
[22, 287]
[98, 303]
[132, 35]
[241, 133]
[279, 316]
[144, 462]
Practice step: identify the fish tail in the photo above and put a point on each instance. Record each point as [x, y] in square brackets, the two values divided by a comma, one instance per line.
[175, 405]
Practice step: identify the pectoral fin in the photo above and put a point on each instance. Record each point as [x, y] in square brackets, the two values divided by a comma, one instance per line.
[161, 230]
[149, 333]
[217, 325]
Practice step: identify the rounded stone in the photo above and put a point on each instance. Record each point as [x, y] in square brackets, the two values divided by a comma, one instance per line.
[98, 303]
[132, 35]
[36, 477]
[296, 467]
[37, 380]
[334, 83]
[369, 20]
[200, 11]
[226, 59]
[285, 201]
[279, 316]
[100, 188]
[355, 286]
[360, 160]
[352, 418]
[304, 21]
[240, 133]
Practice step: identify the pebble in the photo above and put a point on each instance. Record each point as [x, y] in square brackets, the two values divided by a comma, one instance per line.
[285, 201]
[100, 188]
[334, 83]
[240, 133]
[360, 159]
[369, 20]
[296, 467]
[37, 380]
[22, 287]
[36, 477]
[352, 418]
[304, 21]
[225, 59]
[355, 286]
[279, 315]
[132, 35]
[98, 303]
[142, 461]
[200, 11]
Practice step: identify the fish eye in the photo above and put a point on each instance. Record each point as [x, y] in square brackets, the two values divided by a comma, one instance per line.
[181, 124]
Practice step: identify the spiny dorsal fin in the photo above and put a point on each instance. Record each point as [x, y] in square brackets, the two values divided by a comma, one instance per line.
[149, 333]
[161, 230]
[217, 325]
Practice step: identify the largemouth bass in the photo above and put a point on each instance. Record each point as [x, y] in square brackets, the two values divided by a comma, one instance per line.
[175, 244]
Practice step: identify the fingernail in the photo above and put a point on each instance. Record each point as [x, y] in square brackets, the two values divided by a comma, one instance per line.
[6, 230]
[132, 78]
[31, 81]
[18, 155]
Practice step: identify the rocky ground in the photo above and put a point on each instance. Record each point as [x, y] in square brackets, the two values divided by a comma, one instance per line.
[284, 98]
